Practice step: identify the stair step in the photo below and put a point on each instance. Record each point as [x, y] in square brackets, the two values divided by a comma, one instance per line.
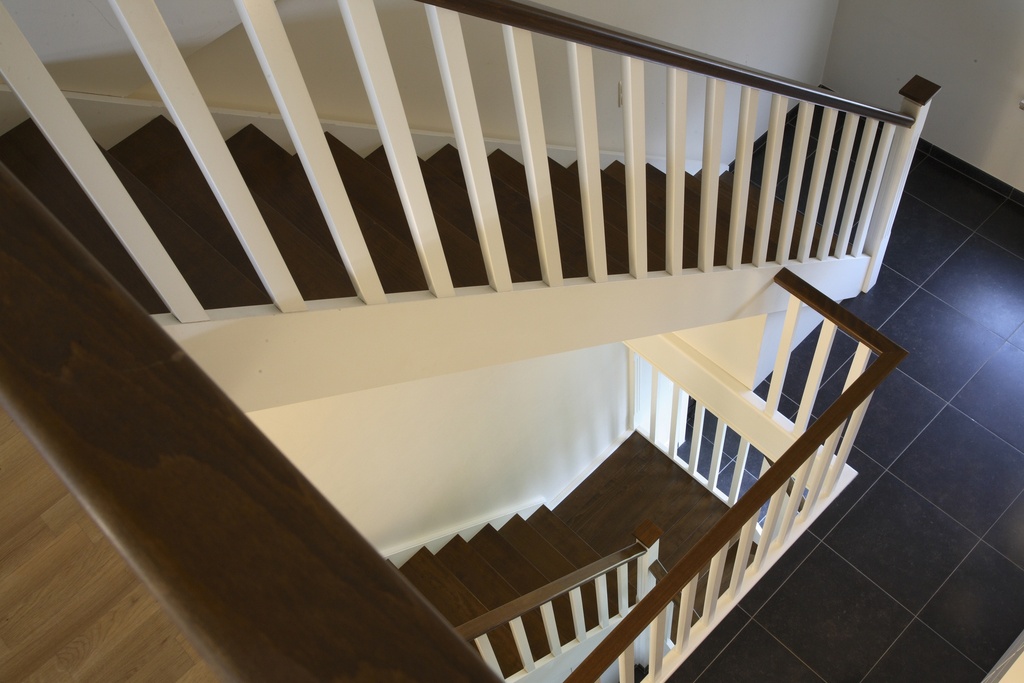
[456, 603]
[382, 220]
[29, 156]
[278, 180]
[521, 574]
[157, 155]
[488, 585]
[455, 223]
[214, 281]
[615, 189]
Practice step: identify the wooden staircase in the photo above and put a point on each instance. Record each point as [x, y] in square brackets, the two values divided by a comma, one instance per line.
[636, 484]
[164, 180]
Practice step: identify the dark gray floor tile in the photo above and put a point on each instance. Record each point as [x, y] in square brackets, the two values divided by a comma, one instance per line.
[952, 193]
[921, 656]
[1018, 338]
[1007, 534]
[777, 575]
[1006, 227]
[707, 651]
[995, 396]
[922, 239]
[754, 656]
[902, 542]
[946, 347]
[980, 609]
[899, 410]
[868, 472]
[833, 618]
[964, 469]
[889, 293]
[985, 282]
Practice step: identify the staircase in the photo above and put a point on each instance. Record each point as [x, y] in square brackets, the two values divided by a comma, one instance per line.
[162, 177]
[636, 490]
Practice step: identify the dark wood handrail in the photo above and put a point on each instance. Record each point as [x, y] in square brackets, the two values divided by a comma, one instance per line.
[485, 623]
[262, 573]
[565, 26]
[730, 525]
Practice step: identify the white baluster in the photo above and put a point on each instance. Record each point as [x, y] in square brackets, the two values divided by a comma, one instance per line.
[371, 54]
[796, 497]
[696, 436]
[601, 586]
[547, 613]
[860, 361]
[769, 528]
[782, 357]
[814, 374]
[578, 623]
[270, 43]
[166, 67]
[874, 183]
[675, 181]
[739, 566]
[626, 664]
[860, 171]
[483, 645]
[657, 644]
[714, 586]
[636, 163]
[655, 376]
[791, 204]
[714, 112]
[673, 430]
[737, 477]
[684, 621]
[522, 644]
[716, 454]
[31, 82]
[622, 581]
[632, 377]
[741, 175]
[588, 150]
[453, 62]
[819, 469]
[769, 178]
[835, 198]
[826, 132]
[526, 92]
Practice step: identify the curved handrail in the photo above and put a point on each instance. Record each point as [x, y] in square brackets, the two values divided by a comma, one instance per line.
[730, 525]
[478, 626]
[570, 27]
[265, 576]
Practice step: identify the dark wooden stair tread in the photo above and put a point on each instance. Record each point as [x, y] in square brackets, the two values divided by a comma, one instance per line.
[29, 156]
[455, 223]
[488, 585]
[215, 281]
[158, 156]
[456, 603]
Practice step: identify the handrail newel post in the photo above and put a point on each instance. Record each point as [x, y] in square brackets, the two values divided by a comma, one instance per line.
[917, 96]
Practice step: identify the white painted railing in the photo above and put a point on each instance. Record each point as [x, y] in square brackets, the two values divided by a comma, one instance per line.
[766, 516]
[874, 152]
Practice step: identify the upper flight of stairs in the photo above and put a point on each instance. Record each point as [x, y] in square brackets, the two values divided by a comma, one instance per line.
[636, 484]
[160, 174]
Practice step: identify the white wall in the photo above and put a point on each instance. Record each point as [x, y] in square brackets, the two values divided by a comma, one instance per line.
[974, 50]
[411, 461]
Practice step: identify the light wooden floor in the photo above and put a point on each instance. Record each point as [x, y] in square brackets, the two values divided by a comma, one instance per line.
[70, 609]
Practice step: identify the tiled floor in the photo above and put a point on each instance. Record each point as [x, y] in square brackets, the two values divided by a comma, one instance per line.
[917, 572]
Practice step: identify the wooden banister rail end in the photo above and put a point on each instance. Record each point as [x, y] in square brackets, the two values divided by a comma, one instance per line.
[919, 90]
[648, 533]
[261, 572]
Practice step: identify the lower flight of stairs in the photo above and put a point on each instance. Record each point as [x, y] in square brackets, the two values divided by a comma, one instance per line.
[162, 177]
[637, 483]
